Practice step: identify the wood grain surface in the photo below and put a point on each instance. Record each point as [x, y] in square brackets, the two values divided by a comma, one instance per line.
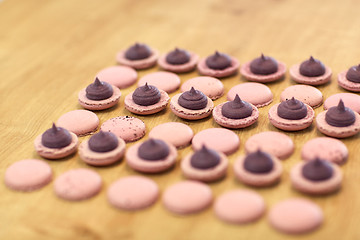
[49, 50]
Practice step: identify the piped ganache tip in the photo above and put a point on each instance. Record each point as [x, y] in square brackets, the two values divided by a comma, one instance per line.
[353, 74]
[312, 68]
[146, 95]
[153, 150]
[178, 57]
[56, 137]
[138, 52]
[218, 61]
[258, 162]
[236, 109]
[103, 142]
[292, 109]
[340, 116]
[99, 90]
[205, 158]
[317, 170]
[264, 65]
[193, 99]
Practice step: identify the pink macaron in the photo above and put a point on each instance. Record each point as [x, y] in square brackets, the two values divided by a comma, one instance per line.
[304, 93]
[210, 86]
[218, 65]
[351, 100]
[81, 122]
[166, 81]
[350, 79]
[119, 76]
[178, 61]
[138, 56]
[130, 129]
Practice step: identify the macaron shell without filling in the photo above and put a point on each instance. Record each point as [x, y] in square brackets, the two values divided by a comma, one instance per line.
[128, 128]
[167, 81]
[80, 122]
[210, 86]
[351, 100]
[304, 93]
[119, 76]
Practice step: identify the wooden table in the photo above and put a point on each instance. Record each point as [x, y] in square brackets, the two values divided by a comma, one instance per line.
[49, 50]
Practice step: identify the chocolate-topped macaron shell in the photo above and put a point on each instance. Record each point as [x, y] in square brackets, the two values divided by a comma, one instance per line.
[138, 51]
[346, 84]
[231, 70]
[99, 104]
[193, 99]
[351, 100]
[249, 75]
[146, 110]
[317, 170]
[138, 64]
[180, 68]
[236, 109]
[340, 116]
[305, 93]
[292, 109]
[263, 65]
[56, 137]
[146, 95]
[210, 86]
[314, 81]
[99, 90]
[177, 56]
[218, 61]
[353, 74]
[312, 68]
[188, 113]
[258, 162]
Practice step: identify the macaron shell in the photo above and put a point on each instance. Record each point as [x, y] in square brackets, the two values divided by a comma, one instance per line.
[189, 114]
[119, 76]
[166, 81]
[297, 77]
[146, 110]
[101, 104]
[28, 175]
[128, 128]
[246, 72]
[181, 68]
[346, 84]
[210, 86]
[350, 100]
[304, 93]
[80, 122]
[138, 64]
[205, 70]
[337, 132]
[56, 153]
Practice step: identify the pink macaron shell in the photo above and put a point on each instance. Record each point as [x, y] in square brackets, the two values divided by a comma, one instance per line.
[78, 184]
[337, 132]
[210, 86]
[100, 104]
[258, 180]
[351, 100]
[142, 165]
[326, 148]
[257, 94]
[300, 183]
[289, 124]
[119, 76]
[146, 110]
[138, 64]
[246, 72]
[218, 139]
[274, 143]
[346, 84]
[133, 193]
[128, 128]
[178, 134]
[239, 206]
[235, 123]
[204, 175]
[180, 68]
[101, 158]
[167, 81]
[305, 93]
[295, 216]
[81, 122]
[56, 153]
[205, 70]
[28, 175]
[187, 197]
[189, 114]
[297, 77]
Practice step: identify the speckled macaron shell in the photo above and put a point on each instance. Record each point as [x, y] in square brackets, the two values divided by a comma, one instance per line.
[295, 216]
[28, 175]
[304, 93]
[176, 133]
[142, 165]
[219, 139]
[187, 197]
[258, 180]
[101, 104]
[246, 92]
[326, 148]
[246, 72]
[210, 86]
[239, 206]
[133, 193]
[337, 132]
[119, 76]
[180, 68]
[297, 77]
[235, 123]
[128, 128]
[289, 124]
[146, 110]
[300, 183]
[351, 100]
[81, 122]
[166, 81]
[78, 184]
[138, 64]
[204, 175]
[275, 143]
[56, 153]
[346, 84]
[189, 114]
[205, 70]
[101, 158]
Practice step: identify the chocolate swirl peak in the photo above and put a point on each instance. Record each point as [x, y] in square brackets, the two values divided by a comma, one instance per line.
[264, 65]
[317, 170]
[218, 61]
[146, 95]
[340, 116]
[236, 109]
[193, 99]
[56, 137]
[137, 52]
[153, 150]
[258, 162]
[205, 158]
[99, 90]
[103, 142]
[353, 74]
[312, 68]
[178, 57]
[292, 109]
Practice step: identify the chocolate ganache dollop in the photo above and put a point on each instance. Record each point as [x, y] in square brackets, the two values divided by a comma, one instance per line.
[178, 57]
[137, 52]
[236, 109]
[340, 116]
[218, 61]
[146, 95]
[103, 142]
[312, 68]
[353, 74]
[264, 65]
[153, 150]
[205, 158]
[56, 137]
[258, 162]
[292, 109]
[99, 90]
[317, 170]
[193, 99]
